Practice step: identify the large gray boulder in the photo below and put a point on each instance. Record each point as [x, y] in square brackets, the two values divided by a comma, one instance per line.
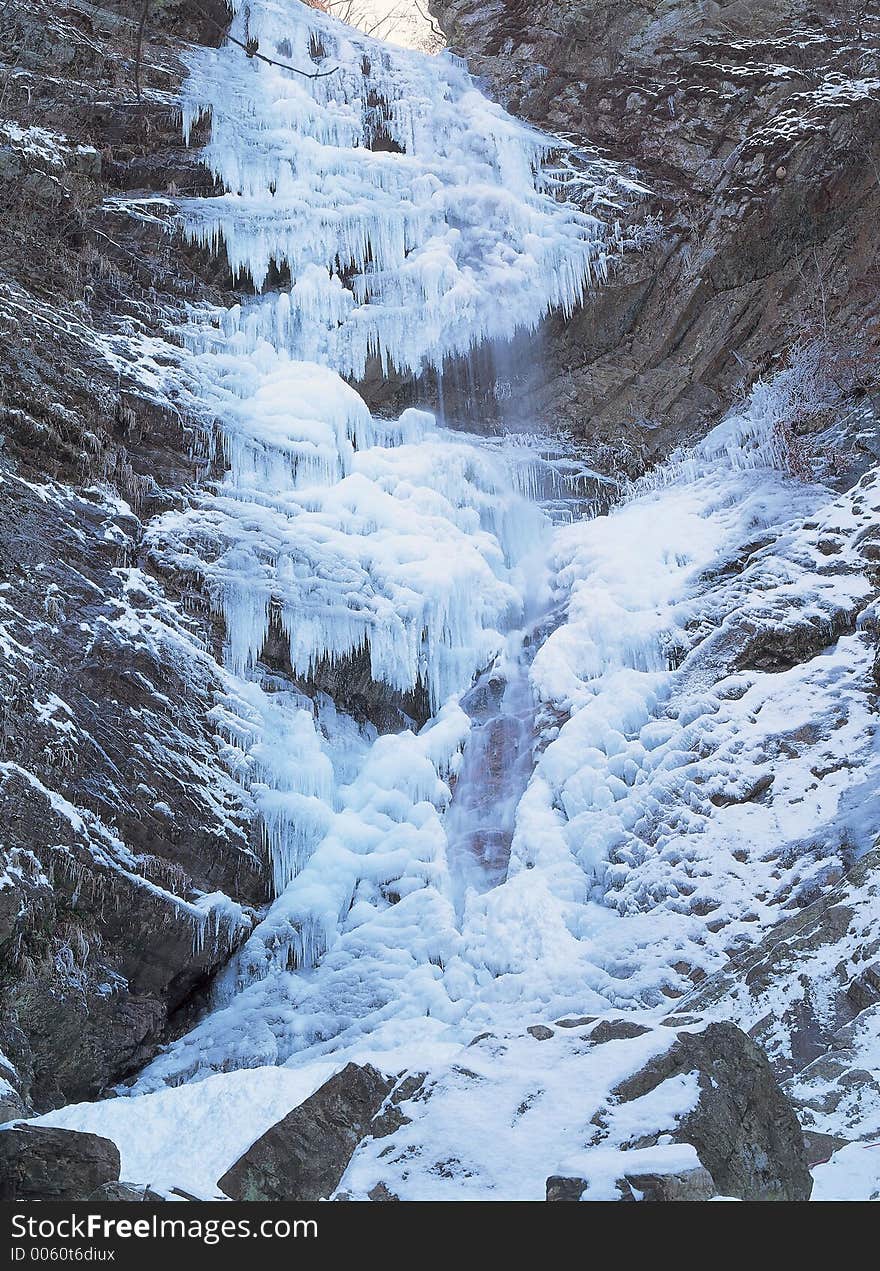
[682, 1184]
[39, 1162]
[743, 1128]
[304, 1156]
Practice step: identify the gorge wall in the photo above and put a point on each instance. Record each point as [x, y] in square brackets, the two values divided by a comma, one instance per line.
[113, 908]
[755, 127]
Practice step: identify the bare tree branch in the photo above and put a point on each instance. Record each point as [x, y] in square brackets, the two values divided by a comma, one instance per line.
[250, 48]
[426, 17]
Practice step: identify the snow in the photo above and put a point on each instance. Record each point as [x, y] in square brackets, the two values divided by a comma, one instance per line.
[220, 1119]
[535, 1112]
[852, 1173]
[6, 1066]
[512, 1110]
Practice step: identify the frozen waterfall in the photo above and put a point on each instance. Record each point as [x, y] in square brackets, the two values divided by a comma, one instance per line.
[380, 208]
[430, 879]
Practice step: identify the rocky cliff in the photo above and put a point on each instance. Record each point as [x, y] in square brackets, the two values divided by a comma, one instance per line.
[131, 861]
[755, 126]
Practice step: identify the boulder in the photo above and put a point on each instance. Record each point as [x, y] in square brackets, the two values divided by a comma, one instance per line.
[687, 1184]
[304, 1156]
[381, 1193]
[43, 1163]
[559, 1187]
[684, 1184]
[743, 1128]
[610, 1030]
[821, 1147]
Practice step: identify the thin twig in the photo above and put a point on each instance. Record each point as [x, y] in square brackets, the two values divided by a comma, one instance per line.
[426, 17]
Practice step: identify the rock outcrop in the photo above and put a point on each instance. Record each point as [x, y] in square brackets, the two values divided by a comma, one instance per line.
[304, 1156]
[744, 1130]
[685, 1184]
[121, 1193]
[38, 1163]
[809, 993]
[755, 125]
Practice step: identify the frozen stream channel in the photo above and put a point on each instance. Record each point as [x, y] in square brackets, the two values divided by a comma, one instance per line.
[499, 754]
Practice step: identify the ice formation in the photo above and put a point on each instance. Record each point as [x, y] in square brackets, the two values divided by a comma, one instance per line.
[387, 209]
[381, 209]
[414, 216]
[402, 216]
[641, 856]
[411, 219]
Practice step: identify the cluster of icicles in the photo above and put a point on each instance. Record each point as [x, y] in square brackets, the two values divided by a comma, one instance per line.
[383, 211]
[411, 252]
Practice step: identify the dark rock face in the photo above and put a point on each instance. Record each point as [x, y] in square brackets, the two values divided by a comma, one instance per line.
[38, 1163]
[110, 818]
[304, 1156]
[743, 1128]
[748, 124]
[117, 816]
[560, 1187]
